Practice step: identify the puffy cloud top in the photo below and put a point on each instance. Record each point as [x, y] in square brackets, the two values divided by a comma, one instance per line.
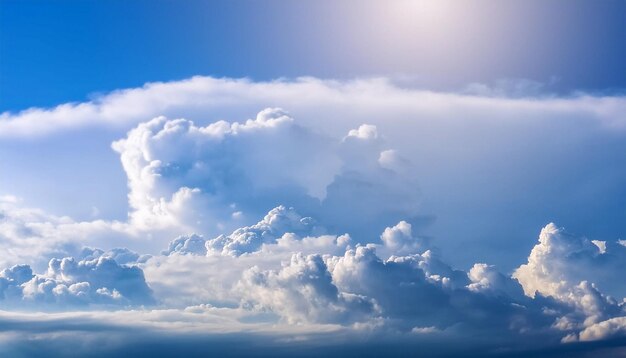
[174, 167]
[210, 179]
[72, 283]
[276, 223]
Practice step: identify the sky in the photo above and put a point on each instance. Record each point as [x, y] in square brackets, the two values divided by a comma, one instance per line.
[281, 178]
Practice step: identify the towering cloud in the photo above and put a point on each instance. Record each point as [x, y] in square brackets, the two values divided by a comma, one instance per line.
[214, 178]
[572, 270]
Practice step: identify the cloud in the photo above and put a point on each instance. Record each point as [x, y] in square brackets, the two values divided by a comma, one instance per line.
[206, 94]
[183, 177]
[322, 279]
[365, 131]
[302, 290]
[311, 219]
[561, 258]
[571, 269]
[487, 280]
[187, 245]
[275, 224]
[470, 152]
[220, 262]
[70, 283]
[399, 240]
[174, 167]
[287, 269]
[33, 236]
[298, 278]
[614, 327]
[26, 234]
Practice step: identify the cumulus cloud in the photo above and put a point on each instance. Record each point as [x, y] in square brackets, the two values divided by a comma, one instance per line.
[302, 290]
[365, 131]
[187, 245]
[486, 279]
[210, 179]
[613, 327]
[70, 283]
[286, 268]
[399, 239]
[322, 279]
[275, 224]
[307, 279]
[181, 174]
[572, 269]
[213, 178]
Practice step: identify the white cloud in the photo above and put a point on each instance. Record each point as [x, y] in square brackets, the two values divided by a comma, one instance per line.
[187, 176]
[365, 132]
[571, 269]
[275, 224]
[187, 245]
[400, 241]
[486, 279]
[319, 279]
[283, 272]
[614, 327]
[206, 95]
[184, 178]
[33, 236]
[69, 283]
[302, 290]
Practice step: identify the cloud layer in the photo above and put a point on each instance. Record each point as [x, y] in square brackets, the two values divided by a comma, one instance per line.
[206, 94]
[470, 151]
[274, 224]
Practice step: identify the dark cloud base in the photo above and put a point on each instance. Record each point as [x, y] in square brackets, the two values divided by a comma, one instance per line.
[116, 342]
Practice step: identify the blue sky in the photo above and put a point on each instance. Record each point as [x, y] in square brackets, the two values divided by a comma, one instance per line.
[326, 174]
[61, 51]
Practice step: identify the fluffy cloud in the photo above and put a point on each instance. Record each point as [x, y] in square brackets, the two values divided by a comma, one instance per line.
[305, 279]
[487, 280]
[30, 235]
[187, 245]
[214, 178]
[614, 327]
[303, 290]
[185, 178]
[571, 269]
[201, 182]
[578, 272]
[285, 269]
[287, 266]
[71, 283]
[322, 279]
[399, 240]
[275, 224]
[33, 236]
